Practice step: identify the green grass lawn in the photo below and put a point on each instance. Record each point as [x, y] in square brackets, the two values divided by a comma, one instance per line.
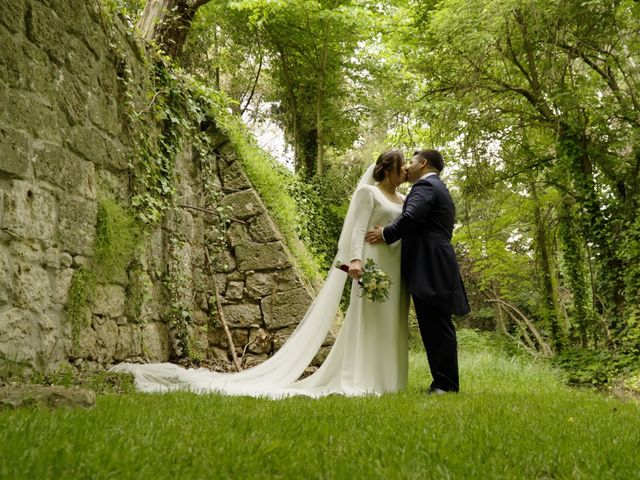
[512, 419]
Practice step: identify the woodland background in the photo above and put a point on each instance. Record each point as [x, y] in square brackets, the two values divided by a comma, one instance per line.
[535, 105]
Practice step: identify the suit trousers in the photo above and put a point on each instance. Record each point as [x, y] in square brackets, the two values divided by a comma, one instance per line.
[439, 338]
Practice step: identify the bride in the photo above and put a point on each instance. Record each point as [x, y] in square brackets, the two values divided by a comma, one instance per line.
[370, 354]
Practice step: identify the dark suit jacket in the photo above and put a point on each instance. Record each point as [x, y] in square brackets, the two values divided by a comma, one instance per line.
[429, 263]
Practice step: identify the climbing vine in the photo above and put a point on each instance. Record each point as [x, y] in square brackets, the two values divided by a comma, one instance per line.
[574, 263]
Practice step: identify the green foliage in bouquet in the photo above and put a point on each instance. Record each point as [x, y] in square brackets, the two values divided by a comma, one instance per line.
[374, 283]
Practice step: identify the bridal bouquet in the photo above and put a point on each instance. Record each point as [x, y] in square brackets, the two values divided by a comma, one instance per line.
[374, 282]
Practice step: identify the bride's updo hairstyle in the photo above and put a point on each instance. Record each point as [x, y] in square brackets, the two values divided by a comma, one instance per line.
[393, 159]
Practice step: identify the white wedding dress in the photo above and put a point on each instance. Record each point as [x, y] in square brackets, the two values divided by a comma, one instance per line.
[370, 354]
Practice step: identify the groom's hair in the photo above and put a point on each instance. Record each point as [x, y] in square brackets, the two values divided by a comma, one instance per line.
[433, 158]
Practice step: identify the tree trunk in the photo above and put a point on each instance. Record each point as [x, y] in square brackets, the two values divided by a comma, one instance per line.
[167, 23]
[216, 50]
[319, 117]
[551, 311]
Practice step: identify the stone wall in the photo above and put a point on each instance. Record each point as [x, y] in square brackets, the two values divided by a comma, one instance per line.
[64, 146]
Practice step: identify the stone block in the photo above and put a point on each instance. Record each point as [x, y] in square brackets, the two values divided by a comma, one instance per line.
[26, 252]
[27, 112]
[63, 169]
[233, 178]
[321, 356]
[3, 92]
[51, 258]
[30, 212]
[180, 220]
[18, 334]
[15, 152]
[180, 267]
[106, 341]
[218, 355]
[61, 286]
[234, 291]
[224, 262]
[154, 256]
[6, 274]
[261, 256]
[155, 342]
[237, 234]
[109, 301]
[48, 335]
[112, 185]
[31, 287]
[236, 276]
[142, 302]
[221, 282]
[90, 143]
[80, 62]
[12, 15]
[107, 81]
[285, 308]
[97, 41]
[262, 229]
[218, 337]
[66, 260]
[77, 225]
[45, 29]
[74, 15]
[198, 338]
[87, 344]
[261, 284]
[249, 361]
[81, 261]
[280, 336]
[39, 75]
[200, 318]
[45, 396]
[330, 339]
[12, 65]
[129, 343]
[287, 280]
[227, 152]
[103, 112]
[243, 315]
[260, 341]
[242, 205]
[72, 99]
[116, 157]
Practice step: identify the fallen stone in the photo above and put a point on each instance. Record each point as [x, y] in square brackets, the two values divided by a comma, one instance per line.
[45, 396]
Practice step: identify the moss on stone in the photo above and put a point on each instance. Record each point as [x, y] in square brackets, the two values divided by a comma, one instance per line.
[81, 294]
[117, 234]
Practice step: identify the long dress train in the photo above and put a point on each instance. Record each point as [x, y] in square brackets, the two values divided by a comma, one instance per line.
[370, 354]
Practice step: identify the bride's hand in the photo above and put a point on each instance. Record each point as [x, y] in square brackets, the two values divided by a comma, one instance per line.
[355, 269]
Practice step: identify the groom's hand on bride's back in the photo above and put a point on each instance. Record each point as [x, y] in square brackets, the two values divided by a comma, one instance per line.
[375, 235]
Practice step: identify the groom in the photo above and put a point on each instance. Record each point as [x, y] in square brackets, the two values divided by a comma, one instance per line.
[429, 265]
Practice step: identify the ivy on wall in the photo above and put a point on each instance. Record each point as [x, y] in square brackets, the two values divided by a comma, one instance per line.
[165, 110]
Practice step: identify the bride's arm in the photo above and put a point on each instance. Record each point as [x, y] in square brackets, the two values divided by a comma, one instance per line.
[363, 208]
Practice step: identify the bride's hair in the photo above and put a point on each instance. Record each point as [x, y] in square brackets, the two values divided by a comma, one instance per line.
[393, 159]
